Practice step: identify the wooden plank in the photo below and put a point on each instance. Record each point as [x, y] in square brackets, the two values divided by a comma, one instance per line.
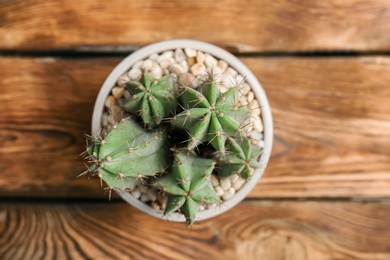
[332, 126]
[252, 230]
[249, 26]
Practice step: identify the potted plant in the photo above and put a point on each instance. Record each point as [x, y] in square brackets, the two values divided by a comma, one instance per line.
[180, 128]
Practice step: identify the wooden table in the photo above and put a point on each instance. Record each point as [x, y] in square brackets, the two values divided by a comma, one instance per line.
[325, 67]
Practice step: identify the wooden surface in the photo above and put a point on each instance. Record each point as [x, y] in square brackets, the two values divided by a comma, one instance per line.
[241, 26]
[325, 66]
[253, 230]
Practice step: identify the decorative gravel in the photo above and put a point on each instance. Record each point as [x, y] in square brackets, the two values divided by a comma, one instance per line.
[190, 67]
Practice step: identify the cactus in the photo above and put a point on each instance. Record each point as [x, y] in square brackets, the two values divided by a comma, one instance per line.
[151, 99]
[210, 115]
[127, 155]
[240, 158]
[188, 185]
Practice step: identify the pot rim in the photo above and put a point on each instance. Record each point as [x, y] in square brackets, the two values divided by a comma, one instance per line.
[233, 62]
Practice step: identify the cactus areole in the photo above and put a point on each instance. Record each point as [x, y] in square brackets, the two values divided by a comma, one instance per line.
[173, 137]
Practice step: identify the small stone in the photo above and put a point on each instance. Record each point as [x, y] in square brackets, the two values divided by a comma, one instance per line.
[173, 76]
[201, 208]
[136, 194]
[186, 79]
[116, 113]
[214, 180]
[184, 65]
[138, 64]
[210, 61]
[222, 66]
[225, 183]
[104, 132]
[110, 101]
[144, 198]
[250, 96]
[238, 183]
[147, 65]
[104, 119]
[162, 200]
[135, 74]
[223, 88]
[123, 80]
[155, 205]
[198, 69]
[152, 193]
[190, 52]
[179, 55]
[143, 189]
[240, 80]
[257, 135]
[200, 57]
[109, 127]
[157, 72]
[126, 94]
[117, 92]
[231, 72]
[243, 100]
[176, 68]
[261, 143]
[233, 177]
[257, 123]
[164, 56]
[254, 106]
[212, 206]
[121, 102]
[165, 63]
[191, 61]
[228, 194]
[219, 191]
[154, 56]
[245, 88]
[228, 80]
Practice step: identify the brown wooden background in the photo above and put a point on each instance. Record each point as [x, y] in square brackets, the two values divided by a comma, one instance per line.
[325, 66]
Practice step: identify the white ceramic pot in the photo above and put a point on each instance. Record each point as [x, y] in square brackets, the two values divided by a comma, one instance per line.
[233, 62]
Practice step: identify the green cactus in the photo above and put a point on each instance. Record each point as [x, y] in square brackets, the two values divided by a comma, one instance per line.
[239, 158]
[210, 115]
[151, 99]
[188, 185]
[127, 155]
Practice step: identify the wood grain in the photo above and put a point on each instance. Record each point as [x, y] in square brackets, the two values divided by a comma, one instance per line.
[248, 26]
[331, 116]
[252, 230]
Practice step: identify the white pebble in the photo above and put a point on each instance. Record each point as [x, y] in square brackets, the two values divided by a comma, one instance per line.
[144, 198]
[164, 56]
[136, 194]
[117, 92]
[228, 194]
[190, 52]
[186, 79]
[126, 94]
[214, 180]
[201, 208]
[228, 81]
[212, 206]
[250, 96]
[257, 135]
[238, 183]
[225, 183]
[176, 68]
[104, 119]
[243, 100]
[179, 55]
[254, 106]
[143, 189]
[231, 72]
[135, 74]
[152, 194]
[123, 80]
[257, 123]
[198, 69]
[222, 66]
[147, 65]
[184, 65]
[245, 88]
[138, 64]
[200, 57]
[240, 80]
[165, 63]
[110, 101]
[155, 205]
[261, 143]
[219, 191]
[233, 177]
[223, 88]
[154, 56]
[210, 61]
[156, 73]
